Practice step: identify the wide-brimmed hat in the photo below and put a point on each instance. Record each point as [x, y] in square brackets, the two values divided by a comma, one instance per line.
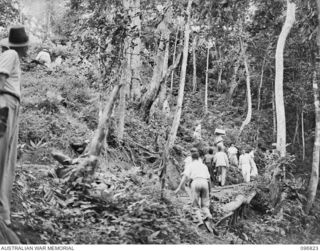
[17, 37]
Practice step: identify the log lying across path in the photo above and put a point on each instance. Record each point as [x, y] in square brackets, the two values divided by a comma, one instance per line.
[238, 202]
[236, 208]
[228, 187]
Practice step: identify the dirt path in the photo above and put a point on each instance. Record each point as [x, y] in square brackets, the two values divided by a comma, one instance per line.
[183, 202]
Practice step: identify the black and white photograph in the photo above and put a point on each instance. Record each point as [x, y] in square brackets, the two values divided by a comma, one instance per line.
[162, 122]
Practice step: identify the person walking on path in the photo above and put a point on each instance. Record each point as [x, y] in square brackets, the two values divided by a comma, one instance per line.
[14, 48]
[208, 161]
[232, 154]
[218, 141]
[245, 164]
[254, 169]
[198, 174]
[222, 164]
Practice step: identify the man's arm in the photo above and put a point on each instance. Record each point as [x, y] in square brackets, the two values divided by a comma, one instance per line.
[3, 78]
[183, 180]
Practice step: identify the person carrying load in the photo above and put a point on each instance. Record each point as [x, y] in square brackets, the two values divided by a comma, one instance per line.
[218, 140]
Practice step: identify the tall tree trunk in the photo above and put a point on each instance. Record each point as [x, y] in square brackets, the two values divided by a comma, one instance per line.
[176, 120]
[102, 76]
[122, 108]
[207, 80]
[135, 91]
[48, 19]
[166, 58]
[274, 119]
[163, 82]
[219, 82]
[297, 128]
[163, 90]
[302, 137]
[279, 99]
[314, 178]
[259, 98]
[174, 58]
[150, 96]
[194, 61]
[20, 7]
[126, 75]
[220, 66]
[177, 116]
[234, 83]
[261, 82]
[249, 100]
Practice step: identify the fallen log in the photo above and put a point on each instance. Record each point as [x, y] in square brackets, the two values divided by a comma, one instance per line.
[232, 208]
[231, 186]
[235, 204]
[238, 202]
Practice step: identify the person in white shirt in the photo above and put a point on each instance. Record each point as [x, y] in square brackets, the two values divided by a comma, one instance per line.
[222, 164]
[218, 141]
[44, 57]
[245, 164]
[199, 175]
[14, 48]
[188, 159]
[254, 169]
[232, 154]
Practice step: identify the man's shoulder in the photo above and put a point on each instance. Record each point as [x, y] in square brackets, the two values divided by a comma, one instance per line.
[9, 56]
[194, 163]
[9, 53]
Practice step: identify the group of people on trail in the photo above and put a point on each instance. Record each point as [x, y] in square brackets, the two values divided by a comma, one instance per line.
[199, 175]
[219, 161]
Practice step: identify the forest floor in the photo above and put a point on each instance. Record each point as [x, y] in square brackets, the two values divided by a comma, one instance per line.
[59, 108]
